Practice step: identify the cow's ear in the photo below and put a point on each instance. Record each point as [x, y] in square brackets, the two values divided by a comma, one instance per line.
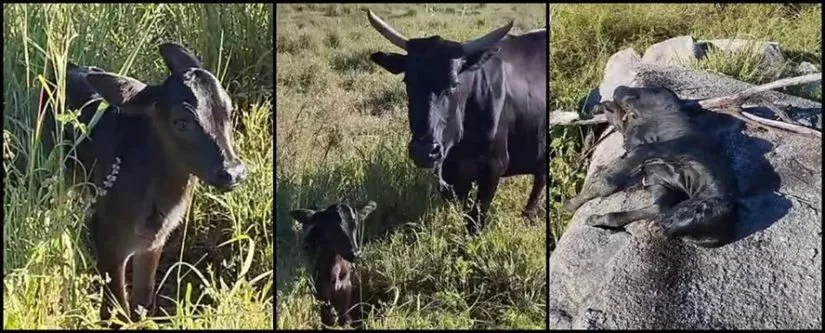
[128, 94]
[476, 60]
[393, 62]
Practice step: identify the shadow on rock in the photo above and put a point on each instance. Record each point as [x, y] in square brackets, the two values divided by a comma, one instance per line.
[758, 182]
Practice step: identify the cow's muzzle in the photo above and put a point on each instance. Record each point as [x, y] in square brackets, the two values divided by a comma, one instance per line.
[426, 153]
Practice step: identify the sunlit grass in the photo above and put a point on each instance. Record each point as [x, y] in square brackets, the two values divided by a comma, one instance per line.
[216, 271]
[341, 133]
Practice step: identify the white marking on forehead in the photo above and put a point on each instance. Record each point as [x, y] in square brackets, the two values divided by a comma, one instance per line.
[223, 96]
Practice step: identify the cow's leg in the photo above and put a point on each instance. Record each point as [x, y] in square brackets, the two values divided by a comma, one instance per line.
[663, 198]
[111, 257]
[539, 181]
[487, 186]
[144, 267]
[457, 175]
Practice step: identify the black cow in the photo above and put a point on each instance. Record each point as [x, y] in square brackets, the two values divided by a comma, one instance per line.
[143, 154]
[690, 178]
[477, 110]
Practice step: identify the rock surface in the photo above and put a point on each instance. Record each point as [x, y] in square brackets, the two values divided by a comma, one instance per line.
[682, 50]
[771, 278]
[812, 88]
[771, 57]
[675, 51]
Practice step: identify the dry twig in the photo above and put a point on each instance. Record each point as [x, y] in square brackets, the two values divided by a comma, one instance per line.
[738, 98]
[731, 105]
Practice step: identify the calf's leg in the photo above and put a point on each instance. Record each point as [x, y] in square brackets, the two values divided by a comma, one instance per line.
[111, 254]
[116, 269]
[343, 302]
[707, 222]
[144, 266]
[663, 200]
[609, 180]
[326, 314]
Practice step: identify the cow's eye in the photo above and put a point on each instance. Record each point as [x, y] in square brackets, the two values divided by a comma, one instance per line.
[454, 86]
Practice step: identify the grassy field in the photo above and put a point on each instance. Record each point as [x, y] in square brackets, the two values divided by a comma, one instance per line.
[223, 279]
[342, 133]
[583, 37]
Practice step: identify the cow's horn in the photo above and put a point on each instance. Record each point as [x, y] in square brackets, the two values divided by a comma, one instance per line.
[387, 31]
[487, 40]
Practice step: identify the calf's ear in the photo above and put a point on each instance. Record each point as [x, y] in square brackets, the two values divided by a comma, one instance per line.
[305, 217]
[365, 209]
[393, 62]
[302, 215]
[178, 58]
[128, 94]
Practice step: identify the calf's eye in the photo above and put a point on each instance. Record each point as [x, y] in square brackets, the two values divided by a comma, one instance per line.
[181, 124]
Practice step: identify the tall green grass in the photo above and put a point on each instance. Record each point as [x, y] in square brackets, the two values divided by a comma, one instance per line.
[216, 270]
[584, 36]
[342, 133]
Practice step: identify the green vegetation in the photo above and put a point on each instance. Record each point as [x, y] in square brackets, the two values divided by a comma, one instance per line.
[223, 279]
[342, 133]
[583, 37]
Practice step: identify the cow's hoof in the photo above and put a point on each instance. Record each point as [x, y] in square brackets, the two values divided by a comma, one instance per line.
[531, 215]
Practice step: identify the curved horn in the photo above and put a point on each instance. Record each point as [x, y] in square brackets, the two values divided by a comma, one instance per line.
[387, 31]
[487, 40]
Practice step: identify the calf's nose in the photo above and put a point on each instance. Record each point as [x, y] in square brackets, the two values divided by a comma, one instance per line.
[232, 173]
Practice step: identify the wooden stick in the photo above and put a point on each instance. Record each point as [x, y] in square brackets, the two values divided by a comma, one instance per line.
[719, 102]
[568, 118]
[778, 111]
[783, 125]
[730, 105]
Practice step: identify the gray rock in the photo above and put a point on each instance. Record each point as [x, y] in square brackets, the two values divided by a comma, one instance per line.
[620, 66]
[770, 53]
[806, 68]
[771, 278]
[676, 51]
[813, 88]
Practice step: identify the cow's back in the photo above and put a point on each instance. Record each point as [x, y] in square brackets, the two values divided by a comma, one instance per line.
[525, 117]
[527, 56]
